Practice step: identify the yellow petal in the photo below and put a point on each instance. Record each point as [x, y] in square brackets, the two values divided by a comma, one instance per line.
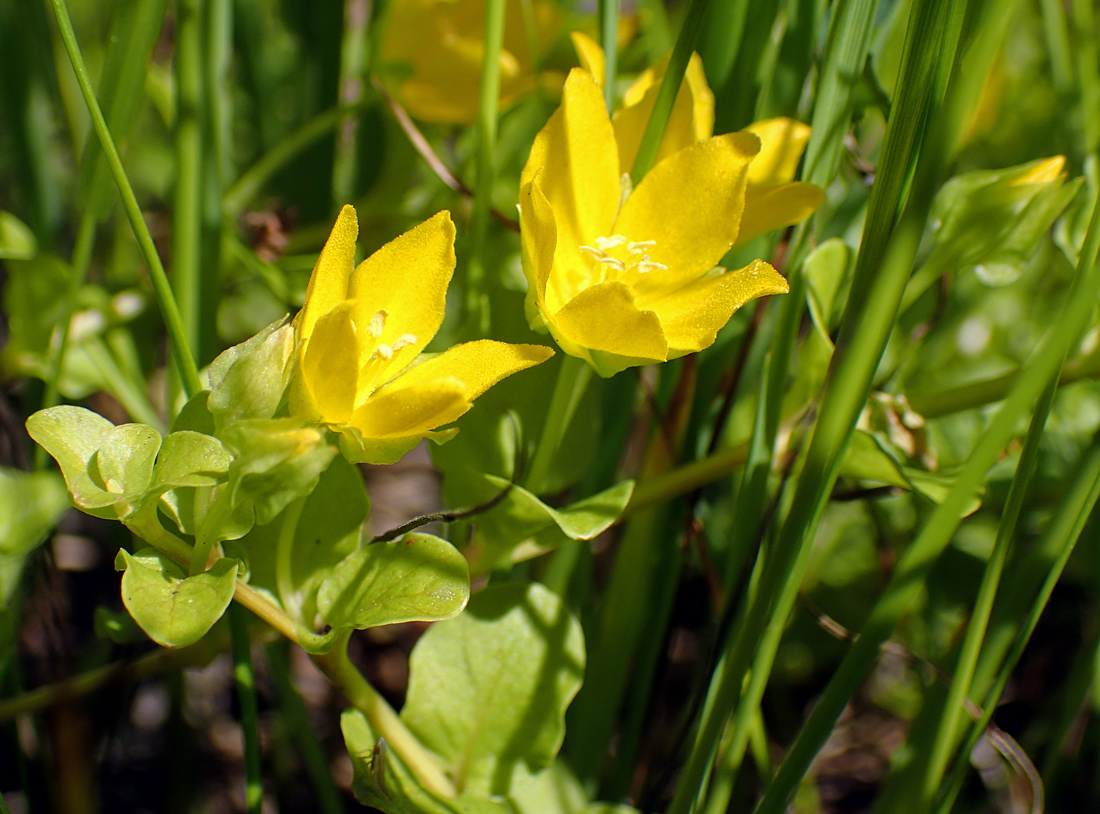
[478, 365]
[693, 315]
[590, 55]
[604, 318]
[690, 205]
[579, 161]
[1047, 169]
[782, 142]
[539, 236]
[775, 207]
[692, 116]
[328, 284]
[406, 280]
[408, 411]
[330, 364]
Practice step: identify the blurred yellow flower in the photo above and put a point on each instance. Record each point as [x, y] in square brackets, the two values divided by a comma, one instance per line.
[622, 283]
[359, 337]
[433, 50]
[772, 199]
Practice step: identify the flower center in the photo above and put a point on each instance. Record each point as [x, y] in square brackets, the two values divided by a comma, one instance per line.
[382, 351]
[616, 258]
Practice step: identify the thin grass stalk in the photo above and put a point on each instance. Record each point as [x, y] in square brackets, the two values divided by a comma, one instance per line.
[1088, 71]
[217, 160]
[914, 565]
[1056, 34]
[722, 39]
[670, 86]
[608, 13]
[946, 734]
[354, 53]
[251, 181]
[296, 717]
[477, 297]
[177, 336]
[1064, 530]
[245, 678]
[187, 206]
[846, 48]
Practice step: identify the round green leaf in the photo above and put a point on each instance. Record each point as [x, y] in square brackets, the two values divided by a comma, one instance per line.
[174, 609]
[489, 689]
[416, 578]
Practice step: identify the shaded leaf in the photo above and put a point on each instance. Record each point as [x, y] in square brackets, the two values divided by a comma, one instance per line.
[489, 689]
[174, 609]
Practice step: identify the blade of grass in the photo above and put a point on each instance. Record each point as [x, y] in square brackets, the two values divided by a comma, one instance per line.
[252, 180]
[937, 757]
[1062, 533]
[477, 297]
[608, 13]
[187, 203]
[914, 565]
[354, 55]
[177, 336]
[670, 86]
[305, 739]
[846, 48]
[245, 678]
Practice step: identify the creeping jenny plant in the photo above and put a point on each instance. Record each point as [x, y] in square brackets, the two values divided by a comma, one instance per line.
[622, 283]
[359, 338]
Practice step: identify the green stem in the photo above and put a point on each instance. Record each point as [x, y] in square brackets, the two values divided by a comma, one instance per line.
[354, 52]
[608, 11]
[207, 535]
[983, 606]
[187, 207]
[284, 558]
[912, 570]
[1066, 526]
[338, 667]
[296, 717]
[251, 181]
[573, 377]
[477, 303]
[185, 362]
[670, 86]
[250, 714]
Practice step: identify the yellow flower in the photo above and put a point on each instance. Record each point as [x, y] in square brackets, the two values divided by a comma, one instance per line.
[632, 284]
[772, 199]
[434, 49]
[359, 337]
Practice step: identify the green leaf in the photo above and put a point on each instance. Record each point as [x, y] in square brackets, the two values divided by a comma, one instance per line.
[73, 435]
[31, 503]
[416, 578]
[828, 273]
[489, 689]
[275, 461]
[189, 458]
[195, 415]
[868, 458]
[123, 466]
[16, 238]
[248, 380]
[327, 531]
[521, 516]
[383, 780]
[174, 609]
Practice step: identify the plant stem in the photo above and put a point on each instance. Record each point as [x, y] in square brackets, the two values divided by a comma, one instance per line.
[250, 714]
[181, 351]
[338, 667]
[477, 297]
[670, 86]
[608, 11]
[573, 377]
